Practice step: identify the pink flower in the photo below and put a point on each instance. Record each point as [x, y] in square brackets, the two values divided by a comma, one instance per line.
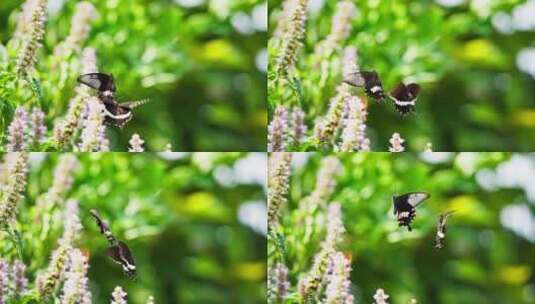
[4, 281]
[16, 131]
[297, 124]
[354, 132]
[279, 184]
[75, 288]
[396, 143]
[136, 144]
[38, 126]
[380, 296]
[338, 289]
[118, 296]
[278, 130]
[278, 284]
[19, 278]
[94, 132]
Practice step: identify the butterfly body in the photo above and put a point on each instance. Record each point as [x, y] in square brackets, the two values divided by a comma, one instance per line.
[118, 251]
[116, 114]
[369, 80]
[405, 207]
[441, 229]
[404, 97]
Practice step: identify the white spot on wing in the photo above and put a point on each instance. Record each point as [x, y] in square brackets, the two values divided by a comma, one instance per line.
[376, 89]
[405, 103]
[403, 215]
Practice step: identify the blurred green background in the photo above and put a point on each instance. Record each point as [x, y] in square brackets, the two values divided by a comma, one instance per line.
[200, 62]
[489, 253]
[195, 223]
[474, 60]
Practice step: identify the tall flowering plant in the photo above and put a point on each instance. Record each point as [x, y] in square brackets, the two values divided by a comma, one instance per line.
[317, 223]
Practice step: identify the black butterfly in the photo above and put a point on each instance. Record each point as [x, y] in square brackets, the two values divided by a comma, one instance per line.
[405, 207]
[116, 114]
[369, 80]
[404, 97]
[441, 229]
[118, 250]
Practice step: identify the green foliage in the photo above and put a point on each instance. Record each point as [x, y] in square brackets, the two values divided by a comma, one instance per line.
[473, 96]
[197, 70]
[180, 221]
[482, 261]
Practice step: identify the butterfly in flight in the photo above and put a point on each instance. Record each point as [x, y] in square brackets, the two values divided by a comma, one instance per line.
[405, 207]
[441, 229]
[118, 251]
[404, 97]
[116, 114]
[369, 80]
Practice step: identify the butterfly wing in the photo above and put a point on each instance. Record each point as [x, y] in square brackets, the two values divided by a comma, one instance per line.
[127, 260]
[98, 81]
[403, 211]
[355, 79]
[408, 201]
[122, 255]
[399, 93]
[116, 114]
[362, 79]
[126, 254]
[405, 207]
[114, 253]
[369, 80]
[401, 204]
[404, 97]
[416, 198]
[413, 90]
